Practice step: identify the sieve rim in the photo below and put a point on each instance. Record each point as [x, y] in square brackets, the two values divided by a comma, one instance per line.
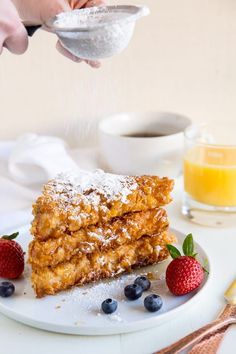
[133, 14]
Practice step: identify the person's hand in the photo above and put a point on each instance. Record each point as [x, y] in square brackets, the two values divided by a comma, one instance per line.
[37, 12]
[13, 35]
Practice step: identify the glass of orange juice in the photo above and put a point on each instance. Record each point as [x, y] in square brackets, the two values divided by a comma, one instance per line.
[210, 175]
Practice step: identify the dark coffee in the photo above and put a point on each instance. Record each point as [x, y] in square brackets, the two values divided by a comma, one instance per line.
[144, 135]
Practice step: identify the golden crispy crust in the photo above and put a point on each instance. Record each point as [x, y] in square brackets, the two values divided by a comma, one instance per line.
[119, 231]
[63, 209]
[93, 267]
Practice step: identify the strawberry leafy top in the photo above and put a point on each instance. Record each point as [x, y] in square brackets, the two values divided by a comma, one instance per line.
[10, 237]
[188, 248]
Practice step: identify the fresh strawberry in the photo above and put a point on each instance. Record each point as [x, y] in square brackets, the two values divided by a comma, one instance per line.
[11, 257]
[184, 274]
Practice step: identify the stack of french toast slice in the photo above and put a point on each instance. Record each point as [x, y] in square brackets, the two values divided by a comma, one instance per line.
[96, 225]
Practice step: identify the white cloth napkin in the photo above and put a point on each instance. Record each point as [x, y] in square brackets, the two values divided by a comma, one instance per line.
[28, 163]
[35, 159]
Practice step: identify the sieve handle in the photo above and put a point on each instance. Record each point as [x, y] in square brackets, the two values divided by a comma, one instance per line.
[32, 29]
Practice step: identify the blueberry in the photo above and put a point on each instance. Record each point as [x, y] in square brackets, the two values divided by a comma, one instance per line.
[133, 291]
[6, 289]
[143, 282]
[153, 303]
[109, 306]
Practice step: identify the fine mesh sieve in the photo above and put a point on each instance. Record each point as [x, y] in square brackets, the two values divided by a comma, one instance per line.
[96, 32]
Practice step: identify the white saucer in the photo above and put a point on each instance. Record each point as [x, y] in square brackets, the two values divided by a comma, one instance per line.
[77, 311]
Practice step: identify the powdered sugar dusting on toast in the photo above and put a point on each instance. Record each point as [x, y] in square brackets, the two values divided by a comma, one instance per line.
[91, 187]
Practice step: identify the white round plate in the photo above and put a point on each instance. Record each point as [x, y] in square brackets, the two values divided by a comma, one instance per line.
[77, 311]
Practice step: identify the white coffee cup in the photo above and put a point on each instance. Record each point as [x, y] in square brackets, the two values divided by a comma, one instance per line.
[161, 155]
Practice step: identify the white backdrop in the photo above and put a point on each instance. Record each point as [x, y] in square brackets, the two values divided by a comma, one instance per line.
[182, 58]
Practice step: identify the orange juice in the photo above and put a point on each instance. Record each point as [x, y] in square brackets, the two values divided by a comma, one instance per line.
[210, 175]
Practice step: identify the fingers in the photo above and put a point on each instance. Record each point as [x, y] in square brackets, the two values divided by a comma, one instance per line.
[51, 8]
[93, 63]
[40, 11]
[78, 4]
[92, 3]
[1, 45]
[37, 12]
[17, 41]
[63, 51]
[67, 54]
[13, 35]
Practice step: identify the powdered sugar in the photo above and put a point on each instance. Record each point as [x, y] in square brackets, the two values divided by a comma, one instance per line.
[92, 187]
[158, 248]
[90, 300]
[116, 318]
[88, 18]
[102, 43]
[90, 297]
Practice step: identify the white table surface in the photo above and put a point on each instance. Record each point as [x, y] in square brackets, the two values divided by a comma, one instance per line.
[220, 244]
